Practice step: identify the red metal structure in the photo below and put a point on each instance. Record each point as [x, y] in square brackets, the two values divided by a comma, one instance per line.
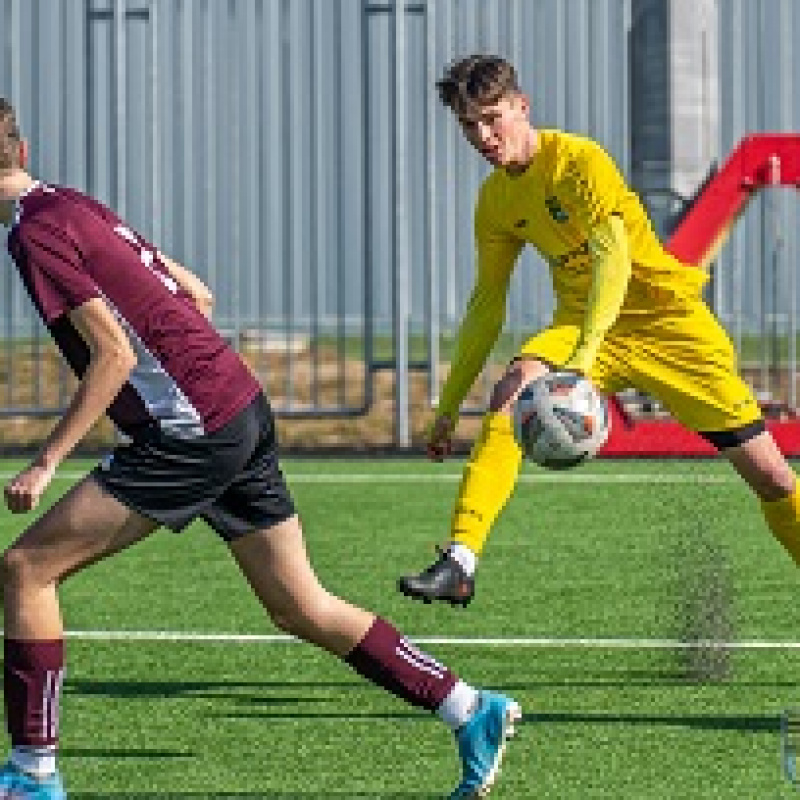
[759, 161]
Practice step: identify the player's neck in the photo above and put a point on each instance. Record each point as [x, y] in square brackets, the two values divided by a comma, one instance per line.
[528, 154]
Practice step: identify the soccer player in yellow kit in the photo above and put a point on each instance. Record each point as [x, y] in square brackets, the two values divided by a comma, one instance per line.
[627, 314]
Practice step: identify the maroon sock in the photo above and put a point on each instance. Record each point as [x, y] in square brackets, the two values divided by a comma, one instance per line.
[385, 657]
[33, 672]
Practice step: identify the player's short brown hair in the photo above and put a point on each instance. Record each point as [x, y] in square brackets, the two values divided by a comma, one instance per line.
[475, 81]
[10, 137]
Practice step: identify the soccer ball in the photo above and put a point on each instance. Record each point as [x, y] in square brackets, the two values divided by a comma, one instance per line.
[560, 419]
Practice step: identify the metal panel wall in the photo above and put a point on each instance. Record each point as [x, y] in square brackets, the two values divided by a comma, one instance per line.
[572, 59]
[755, 289]
[257, 140]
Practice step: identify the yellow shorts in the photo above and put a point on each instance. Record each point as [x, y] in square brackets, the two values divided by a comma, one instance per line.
[681, 356]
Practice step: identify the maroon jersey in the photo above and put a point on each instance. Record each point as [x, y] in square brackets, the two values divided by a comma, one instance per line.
[69, 249]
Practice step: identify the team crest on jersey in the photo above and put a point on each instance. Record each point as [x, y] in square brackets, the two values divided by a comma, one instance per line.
[555, 209]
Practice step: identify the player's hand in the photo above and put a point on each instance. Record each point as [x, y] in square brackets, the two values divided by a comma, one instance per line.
[440, 438]
[24, 492]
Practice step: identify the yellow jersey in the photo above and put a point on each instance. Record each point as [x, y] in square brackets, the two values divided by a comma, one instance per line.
[570, 186]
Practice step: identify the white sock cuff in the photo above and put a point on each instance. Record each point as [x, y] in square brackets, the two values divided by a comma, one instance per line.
[37, 761]
[463, 556]
[459, 705]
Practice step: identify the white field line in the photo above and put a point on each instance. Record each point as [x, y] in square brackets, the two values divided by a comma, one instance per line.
[468, 641]
[542, 642]
[449, 477]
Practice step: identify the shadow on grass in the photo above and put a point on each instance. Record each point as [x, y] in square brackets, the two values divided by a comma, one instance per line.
[220, 689]
[753, 724]
[150, 689]
[704, 722]
[120, 753]
[247, 795]
[624, 678]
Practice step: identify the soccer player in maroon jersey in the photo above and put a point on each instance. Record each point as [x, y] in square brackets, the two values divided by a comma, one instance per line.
[134, 326]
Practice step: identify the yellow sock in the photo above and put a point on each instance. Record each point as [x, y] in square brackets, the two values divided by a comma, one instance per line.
[488, 481]
[783, 518]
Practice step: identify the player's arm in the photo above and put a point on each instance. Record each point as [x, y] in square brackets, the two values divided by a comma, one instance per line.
[592, 189]
[496, 254]
[611, 272]
[111, 360]
[191, 284]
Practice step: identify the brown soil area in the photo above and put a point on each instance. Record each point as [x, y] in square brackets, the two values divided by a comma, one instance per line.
[36, 377]
[305, 382]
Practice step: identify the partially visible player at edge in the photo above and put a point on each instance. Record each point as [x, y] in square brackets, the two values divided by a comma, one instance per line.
[133, 325]
[627, 314]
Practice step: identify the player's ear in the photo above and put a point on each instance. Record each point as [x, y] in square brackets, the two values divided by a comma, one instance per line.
[24, 154]
[524, 103]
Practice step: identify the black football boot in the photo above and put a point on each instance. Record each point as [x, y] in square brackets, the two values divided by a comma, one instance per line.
[444, 580]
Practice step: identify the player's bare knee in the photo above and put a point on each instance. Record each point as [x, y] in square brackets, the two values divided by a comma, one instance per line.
[17, 569]
[291, 619]
[301, 619]
[282, 621]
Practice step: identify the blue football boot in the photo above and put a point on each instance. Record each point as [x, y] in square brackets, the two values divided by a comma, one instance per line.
[18, 785]
[482, 742]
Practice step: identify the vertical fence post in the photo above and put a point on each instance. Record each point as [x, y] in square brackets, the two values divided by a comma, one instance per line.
[785, 44]
[401, 253]
[153, 131]
[737, 129]
[120, 141]
[432, 199]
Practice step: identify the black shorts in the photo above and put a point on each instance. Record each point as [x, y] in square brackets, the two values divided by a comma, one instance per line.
[230, 478]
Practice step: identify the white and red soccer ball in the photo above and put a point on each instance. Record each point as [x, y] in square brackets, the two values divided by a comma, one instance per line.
[560, 420]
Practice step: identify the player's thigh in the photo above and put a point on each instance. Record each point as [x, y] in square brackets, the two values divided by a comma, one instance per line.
[86, 525]
[554, 345]
[519, 373]
[688, 362]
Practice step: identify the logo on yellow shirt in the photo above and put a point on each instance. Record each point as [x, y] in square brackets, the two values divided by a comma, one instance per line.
[555, 209]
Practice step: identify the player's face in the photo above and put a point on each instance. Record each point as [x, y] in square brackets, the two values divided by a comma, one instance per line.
[500, 132]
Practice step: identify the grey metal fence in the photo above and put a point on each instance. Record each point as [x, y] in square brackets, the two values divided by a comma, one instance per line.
[292, 153]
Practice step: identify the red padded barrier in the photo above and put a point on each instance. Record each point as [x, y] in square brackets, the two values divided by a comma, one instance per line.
[759, 160]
